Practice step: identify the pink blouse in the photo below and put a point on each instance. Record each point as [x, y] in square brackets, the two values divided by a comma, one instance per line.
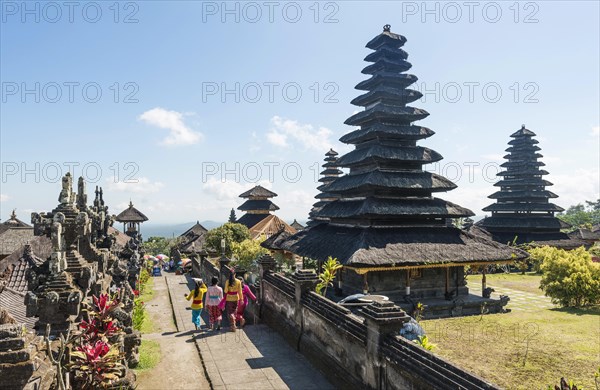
[247, 294]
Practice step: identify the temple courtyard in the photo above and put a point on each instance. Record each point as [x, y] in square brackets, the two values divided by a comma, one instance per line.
[526, 348]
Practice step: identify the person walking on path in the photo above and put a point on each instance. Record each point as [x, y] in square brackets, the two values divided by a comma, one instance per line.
[196, 296]
[246, 293]
[214, 295]
[233, 296]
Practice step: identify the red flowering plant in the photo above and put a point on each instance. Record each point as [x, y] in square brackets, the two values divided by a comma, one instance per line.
[96, 365]
[101, 325]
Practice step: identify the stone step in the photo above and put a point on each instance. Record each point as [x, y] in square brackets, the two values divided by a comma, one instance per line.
[13, 357]
[12, 344]
[11, 330]
[15, 374]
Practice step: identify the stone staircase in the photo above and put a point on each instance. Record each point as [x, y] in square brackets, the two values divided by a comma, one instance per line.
[16, 364]
[75, 262]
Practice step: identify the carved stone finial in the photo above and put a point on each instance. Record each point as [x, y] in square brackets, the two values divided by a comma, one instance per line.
[522, 126]
[27, 250]
[387, 28]
[13, 215]
[81, 194]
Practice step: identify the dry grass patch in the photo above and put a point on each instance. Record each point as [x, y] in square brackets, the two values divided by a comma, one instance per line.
[523, 350]
[530, 282]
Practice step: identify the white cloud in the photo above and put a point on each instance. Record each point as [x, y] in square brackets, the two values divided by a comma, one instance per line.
[142, 185]
[285, 131]
[4, 197]
[497, 157]
[595, 131]
[229, 190]
[575, 187]
[277, 139]
[179, 132]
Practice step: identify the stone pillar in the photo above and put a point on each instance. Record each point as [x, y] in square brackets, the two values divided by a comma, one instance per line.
[304, 281]
[224, 269]
[266, 263]
[383, 319]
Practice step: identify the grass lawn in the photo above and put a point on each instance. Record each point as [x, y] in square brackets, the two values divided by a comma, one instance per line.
[149, 356]
[530, 282]
[147, 325]
[522, 349]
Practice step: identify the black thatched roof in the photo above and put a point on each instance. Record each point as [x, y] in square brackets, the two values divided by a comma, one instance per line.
[585, 234]
[13, 222]
[131, 214]
[258, 191]
[297, 225]
[13, 238]
[378, 208]
[385, 213]
[540, 238]
[397, 246]
[390, 132]
[329, 175]
[194, 231]
[250, 220]
[41, 247]
[260, 204]
[522, 207]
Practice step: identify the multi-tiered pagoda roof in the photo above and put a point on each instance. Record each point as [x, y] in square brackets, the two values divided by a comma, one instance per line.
[330, 173]
[385, 212]
[523, 210]
[258, 218]
[258, 205]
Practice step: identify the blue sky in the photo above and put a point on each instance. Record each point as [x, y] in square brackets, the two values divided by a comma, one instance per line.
[165, 120]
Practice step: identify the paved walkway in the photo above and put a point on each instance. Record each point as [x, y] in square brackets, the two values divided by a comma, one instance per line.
[519, 300]
[251, 358]
[180, 366]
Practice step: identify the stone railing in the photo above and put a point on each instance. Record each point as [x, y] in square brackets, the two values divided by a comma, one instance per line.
[404, 354]
[352, 351]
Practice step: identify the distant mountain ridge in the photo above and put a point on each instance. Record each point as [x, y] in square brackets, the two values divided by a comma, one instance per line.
[176, 229]
[173, 230]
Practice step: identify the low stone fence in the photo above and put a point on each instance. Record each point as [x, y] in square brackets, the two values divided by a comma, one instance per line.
[353, 351]
[203, 268]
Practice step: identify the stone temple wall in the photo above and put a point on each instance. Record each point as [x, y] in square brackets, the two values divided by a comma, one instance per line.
[353, 351]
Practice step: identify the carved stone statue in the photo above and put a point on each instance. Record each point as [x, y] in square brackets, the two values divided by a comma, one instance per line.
[81, 195]
[31, 304]
[84, 226]
[67, 190]
[55, 263]
[57, 232]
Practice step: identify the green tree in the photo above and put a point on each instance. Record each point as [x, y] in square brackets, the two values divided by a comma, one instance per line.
[232, 216]
[582, 216]
[570, 278]
[247, 251]
[157, 245]
[231, 232]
